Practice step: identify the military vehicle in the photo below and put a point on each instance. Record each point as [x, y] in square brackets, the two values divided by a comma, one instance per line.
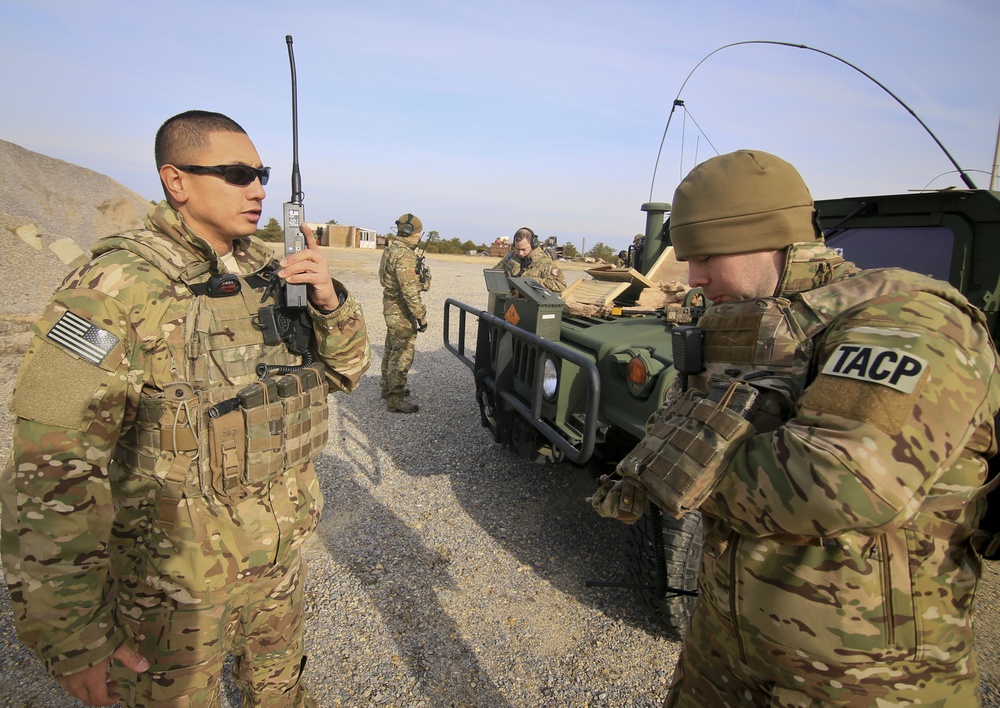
[557, 387]
[562, 388]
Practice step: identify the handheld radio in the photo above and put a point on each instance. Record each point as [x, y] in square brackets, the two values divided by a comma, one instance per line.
[294, 214]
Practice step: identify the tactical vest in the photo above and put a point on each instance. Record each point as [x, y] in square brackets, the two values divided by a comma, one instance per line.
[772, 343]
[218, 430]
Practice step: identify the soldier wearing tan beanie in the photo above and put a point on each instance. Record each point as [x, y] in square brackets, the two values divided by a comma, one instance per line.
[733, 220]
[833, 488]
[741, 202]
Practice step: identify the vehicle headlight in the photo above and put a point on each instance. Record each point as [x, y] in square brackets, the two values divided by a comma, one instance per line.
[550, 379]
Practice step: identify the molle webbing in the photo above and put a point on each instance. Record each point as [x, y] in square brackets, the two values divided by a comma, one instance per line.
[277, 424]
[224, 344]
[731, 337]
[173, 439]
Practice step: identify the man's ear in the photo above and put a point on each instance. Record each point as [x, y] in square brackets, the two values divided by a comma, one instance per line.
[174, 183]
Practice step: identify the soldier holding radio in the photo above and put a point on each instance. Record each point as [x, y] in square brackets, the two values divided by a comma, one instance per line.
[162, 482]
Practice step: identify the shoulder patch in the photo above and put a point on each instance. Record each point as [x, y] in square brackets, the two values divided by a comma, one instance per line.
[878, 365]
[79, 336]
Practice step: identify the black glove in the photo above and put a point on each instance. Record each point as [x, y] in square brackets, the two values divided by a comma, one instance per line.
[421, 325]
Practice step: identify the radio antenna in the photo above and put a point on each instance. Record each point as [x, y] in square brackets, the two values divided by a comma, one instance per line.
[962, 173]
[297, 195]
[294, 214]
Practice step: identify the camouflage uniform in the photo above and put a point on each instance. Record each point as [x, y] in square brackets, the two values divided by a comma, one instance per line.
[836, 445]
[404, 314]
[129, 513]
[539, 266]
[836, 568]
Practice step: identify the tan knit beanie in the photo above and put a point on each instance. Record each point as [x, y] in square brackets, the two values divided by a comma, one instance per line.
[741, 202]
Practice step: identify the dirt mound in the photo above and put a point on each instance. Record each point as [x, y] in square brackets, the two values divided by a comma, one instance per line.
[48, 209]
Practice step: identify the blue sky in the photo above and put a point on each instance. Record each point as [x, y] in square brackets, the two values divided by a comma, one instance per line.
[483, 117]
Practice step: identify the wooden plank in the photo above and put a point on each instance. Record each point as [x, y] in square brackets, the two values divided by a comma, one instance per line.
[668, 268]
[600, 293]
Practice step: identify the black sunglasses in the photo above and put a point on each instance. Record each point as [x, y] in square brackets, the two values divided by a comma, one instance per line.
[240, 175]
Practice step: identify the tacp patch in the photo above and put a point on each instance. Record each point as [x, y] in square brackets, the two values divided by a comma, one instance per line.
[878, 365]
[79, 336]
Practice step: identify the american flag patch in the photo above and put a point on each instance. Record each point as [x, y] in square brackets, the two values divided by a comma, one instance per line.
[82, 338]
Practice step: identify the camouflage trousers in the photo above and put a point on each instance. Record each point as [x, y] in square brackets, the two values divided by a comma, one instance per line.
[397, 358]
[710, 673]
[259, 624]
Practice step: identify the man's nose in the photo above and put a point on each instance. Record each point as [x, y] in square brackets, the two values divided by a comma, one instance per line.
[255, 190]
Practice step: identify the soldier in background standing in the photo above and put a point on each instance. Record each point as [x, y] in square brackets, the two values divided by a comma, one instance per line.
[835, 443]
[527, 259]
[405, 314]
[159, 489]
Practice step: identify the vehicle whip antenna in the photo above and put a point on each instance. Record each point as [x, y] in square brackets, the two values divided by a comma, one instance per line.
[965, 177]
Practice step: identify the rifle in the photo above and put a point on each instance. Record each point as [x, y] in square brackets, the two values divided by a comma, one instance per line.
[423, 270]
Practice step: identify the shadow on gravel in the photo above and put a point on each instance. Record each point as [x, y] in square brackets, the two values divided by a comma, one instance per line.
[537, 513]
[374, 544]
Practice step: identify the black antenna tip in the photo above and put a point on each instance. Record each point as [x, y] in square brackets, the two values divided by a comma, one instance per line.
[288, 38]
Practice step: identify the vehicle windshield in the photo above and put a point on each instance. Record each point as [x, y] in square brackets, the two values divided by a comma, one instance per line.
[926, 250]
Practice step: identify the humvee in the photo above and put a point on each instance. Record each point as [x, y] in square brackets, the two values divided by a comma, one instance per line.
[560, 388]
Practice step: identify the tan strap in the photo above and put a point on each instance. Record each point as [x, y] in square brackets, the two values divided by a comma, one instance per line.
[173, 491]
[938, 528]
[232, 462]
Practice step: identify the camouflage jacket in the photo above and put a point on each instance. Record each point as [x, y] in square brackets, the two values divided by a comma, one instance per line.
[397, 273]
[105, 484]
[840, 533]
[538, 266]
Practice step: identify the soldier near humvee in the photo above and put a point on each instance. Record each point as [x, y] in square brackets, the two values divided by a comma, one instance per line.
[835, 443]
[405, 314]
[527, 259]
[161, 482]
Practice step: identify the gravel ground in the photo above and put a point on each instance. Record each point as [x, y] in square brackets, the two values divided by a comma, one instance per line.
[447, 572]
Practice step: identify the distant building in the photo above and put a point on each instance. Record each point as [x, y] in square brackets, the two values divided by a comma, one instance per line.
[340, 236]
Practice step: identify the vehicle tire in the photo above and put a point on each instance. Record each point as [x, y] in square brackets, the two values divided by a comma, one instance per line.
[682, 542]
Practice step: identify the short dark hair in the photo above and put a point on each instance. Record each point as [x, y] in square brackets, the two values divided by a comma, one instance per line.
[184, 135]
[523, 234]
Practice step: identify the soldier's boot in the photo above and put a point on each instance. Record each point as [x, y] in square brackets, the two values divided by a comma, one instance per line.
[404, 405]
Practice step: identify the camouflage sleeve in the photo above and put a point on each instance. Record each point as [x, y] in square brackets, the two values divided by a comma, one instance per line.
[545, 272]
[554, 279]
[510, 265]
[409, 285]
[57, 507]
[342, 341]
[902, 385]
